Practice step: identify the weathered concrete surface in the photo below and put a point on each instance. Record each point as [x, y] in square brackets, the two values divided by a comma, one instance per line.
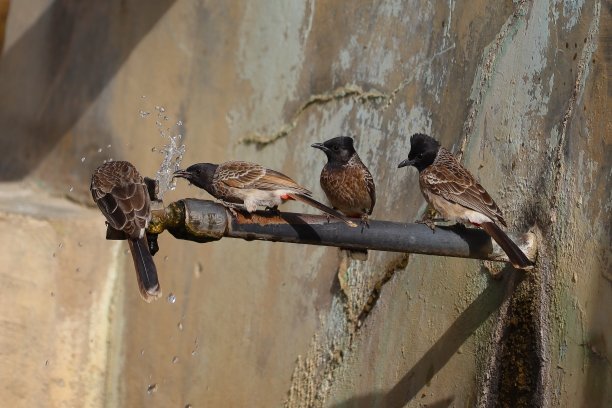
[519, 88]
[60, 296]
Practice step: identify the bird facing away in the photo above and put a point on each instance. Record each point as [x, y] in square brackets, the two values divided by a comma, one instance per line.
[454, 192]
[244, 185]
[121, 194]
[346, 181]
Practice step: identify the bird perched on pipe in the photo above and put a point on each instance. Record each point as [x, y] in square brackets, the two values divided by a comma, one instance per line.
[347, 182]
[246, 186]
[122, 197]
[454, 193]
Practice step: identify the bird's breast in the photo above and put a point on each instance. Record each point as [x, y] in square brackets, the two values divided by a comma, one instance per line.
[346, 189]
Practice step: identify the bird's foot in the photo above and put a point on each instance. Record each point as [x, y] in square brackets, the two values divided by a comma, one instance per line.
[364, 222]
[232, 207]
[429, 222]
[273, 210]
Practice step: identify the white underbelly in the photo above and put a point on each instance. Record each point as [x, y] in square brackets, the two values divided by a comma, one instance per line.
[252, 198]
[455, 212]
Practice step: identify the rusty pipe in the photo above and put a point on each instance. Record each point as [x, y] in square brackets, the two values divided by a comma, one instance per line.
[205, 221]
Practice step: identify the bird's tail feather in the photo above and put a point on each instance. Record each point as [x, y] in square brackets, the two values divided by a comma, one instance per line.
[146, 272]
[320, 206]
[515, 255]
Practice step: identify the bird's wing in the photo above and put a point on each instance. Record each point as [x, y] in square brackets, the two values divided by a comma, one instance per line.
[450, 180]
[122, 196]
[247, 175]
[371, 189]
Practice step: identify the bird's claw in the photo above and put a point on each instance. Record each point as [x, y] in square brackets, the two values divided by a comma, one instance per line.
[273, 210]
[429, 222]
[232, 207]
[364, 222]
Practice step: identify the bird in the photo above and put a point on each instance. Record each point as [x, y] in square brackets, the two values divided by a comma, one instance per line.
[454, 193]
[347, 182]
[246, 186]
[122, 197]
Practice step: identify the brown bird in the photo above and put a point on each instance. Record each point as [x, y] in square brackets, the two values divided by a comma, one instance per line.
[122, 196]
[246, 186]
[346, 181]
[453, 192]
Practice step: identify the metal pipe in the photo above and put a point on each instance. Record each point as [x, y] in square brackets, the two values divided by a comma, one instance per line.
[206, 221]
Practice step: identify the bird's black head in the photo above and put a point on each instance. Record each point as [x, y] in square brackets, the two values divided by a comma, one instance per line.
[338, 150]
[199, 174]
[423, 151]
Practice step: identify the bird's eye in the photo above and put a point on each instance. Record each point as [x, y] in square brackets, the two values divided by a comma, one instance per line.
[420, 156]
[336, 148]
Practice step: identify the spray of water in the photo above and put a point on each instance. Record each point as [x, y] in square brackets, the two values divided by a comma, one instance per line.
[172, 151]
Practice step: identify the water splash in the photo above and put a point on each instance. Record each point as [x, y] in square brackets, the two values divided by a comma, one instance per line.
[172, 151]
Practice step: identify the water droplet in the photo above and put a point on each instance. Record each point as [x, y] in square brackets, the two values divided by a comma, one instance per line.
[153, 148]
[180, 326]
[142, 352]
[165, 258]
[143, 97]
[179, 123]
[104, 161]
[54, 254]
[151, 389]
[77, 270]
[197, 270]
[46, 362]
[61, 244]
[144, 114]
[80, 243]
[108, 146]
[157, 107]
[188, 406]
[52, 294]
[83, 159]
[100, 150]
[171, 298]
[71, 189]
[110, 159]
[175, 359]
[162, 109]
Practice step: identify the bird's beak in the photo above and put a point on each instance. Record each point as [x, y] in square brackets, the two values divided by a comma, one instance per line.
[320, 146]
[405, 163]
[181, 173]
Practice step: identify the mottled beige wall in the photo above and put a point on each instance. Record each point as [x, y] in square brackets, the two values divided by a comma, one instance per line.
[520, 88]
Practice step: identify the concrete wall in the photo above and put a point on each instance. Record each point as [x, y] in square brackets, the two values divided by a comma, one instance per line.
[519, 89]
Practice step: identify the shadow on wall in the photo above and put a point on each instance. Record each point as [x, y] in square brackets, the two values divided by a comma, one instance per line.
[440, 353]
[50, 76]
